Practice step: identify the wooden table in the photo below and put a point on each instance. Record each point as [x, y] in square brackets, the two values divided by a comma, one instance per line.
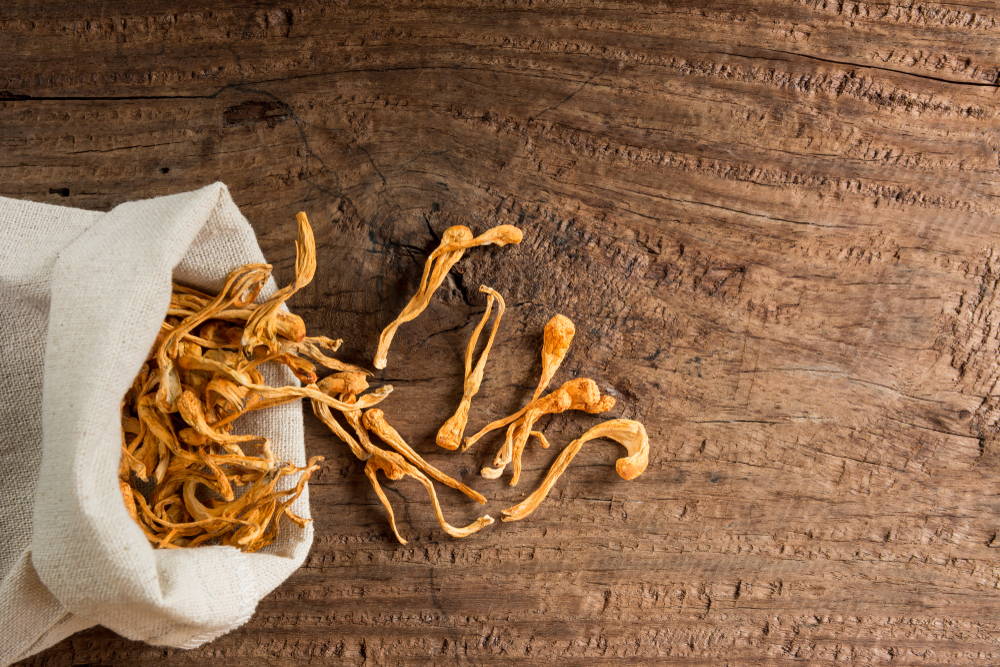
[774, 223]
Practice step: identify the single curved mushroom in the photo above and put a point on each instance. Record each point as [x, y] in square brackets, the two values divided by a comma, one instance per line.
[449, 436]
[628, 433]
[557, 336]
[454, 242]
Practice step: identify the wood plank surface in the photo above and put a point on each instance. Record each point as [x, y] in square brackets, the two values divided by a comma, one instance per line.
[773, 221]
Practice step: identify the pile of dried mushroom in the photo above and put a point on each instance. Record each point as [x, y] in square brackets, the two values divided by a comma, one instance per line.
[187, 479]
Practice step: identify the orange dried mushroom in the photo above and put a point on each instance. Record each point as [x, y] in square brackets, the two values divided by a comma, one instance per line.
[556, 339]
[628, 433]
[449, 436]
[454, 242]
[577, 394]
[185, 477]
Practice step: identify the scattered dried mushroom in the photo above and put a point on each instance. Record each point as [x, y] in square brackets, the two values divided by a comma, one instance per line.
[628, 433]
[188, 480]
[454, 242]
[450, 434]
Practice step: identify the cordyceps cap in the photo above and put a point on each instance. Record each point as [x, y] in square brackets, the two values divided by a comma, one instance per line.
[582, 391]
[459, 235]
[632, 435]
[345, 382]
[559, 329]
[603, 404]
[499, 235]
[290, 325]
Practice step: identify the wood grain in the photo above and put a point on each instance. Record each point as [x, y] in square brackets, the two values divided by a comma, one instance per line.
[773, 221]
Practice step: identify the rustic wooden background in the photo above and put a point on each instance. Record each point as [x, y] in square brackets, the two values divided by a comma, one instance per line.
[774, 222]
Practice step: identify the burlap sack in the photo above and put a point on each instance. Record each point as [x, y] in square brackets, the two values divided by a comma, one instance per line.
[82, 295]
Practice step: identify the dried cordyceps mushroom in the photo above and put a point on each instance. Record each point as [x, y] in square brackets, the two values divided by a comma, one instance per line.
[450, 434]
[188, 480]
[375, 422]
[454, 242]
[577, 394]
[262, 326]
[556, 339]
[394, 465]
[185, 477]
[628, 433]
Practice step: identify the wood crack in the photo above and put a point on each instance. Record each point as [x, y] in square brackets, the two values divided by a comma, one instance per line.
[926, 77]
